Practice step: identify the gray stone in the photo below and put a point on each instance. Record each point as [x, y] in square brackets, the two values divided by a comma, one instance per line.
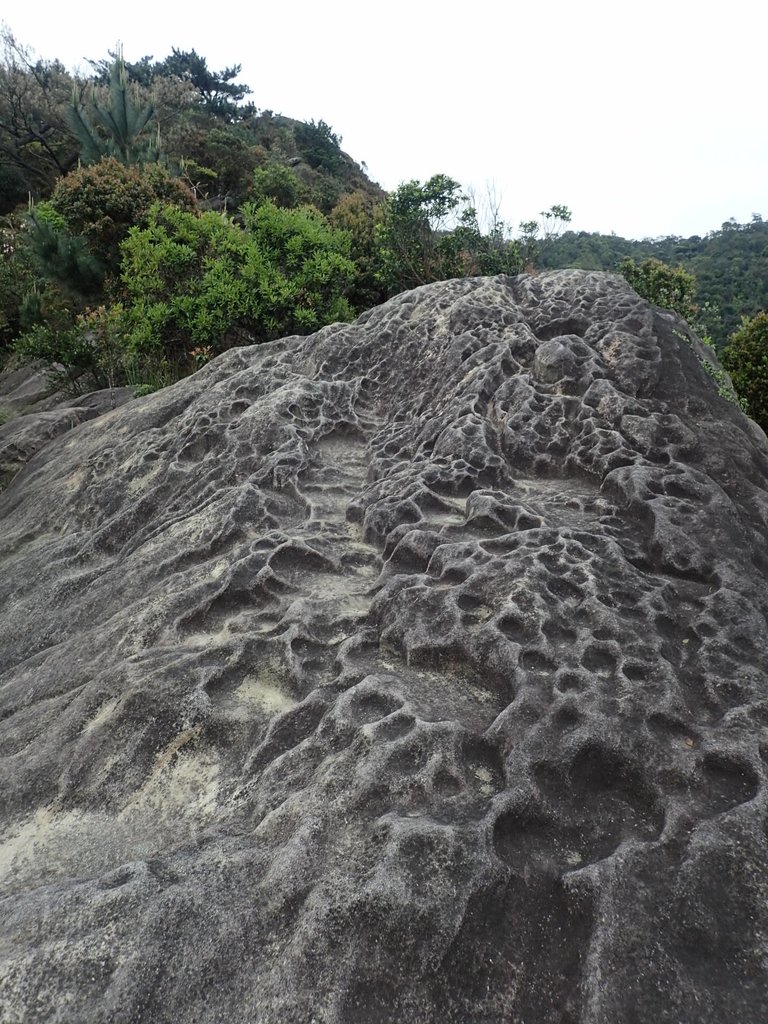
[22, 385]
[25, 434]
[395, 674]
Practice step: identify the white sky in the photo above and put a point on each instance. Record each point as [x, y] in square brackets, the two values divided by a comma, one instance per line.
[645, 119]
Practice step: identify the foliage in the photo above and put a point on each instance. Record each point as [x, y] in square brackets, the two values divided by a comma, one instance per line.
[101, 202]
[554, 220]
[62, 257]
[360, 217]
[215, 91]
[36, 144]
[746, 359]
[48, 318]
[320, 146]
[74, 240]
[418, 244]
[489, 253]
[312, 262]
[114, 121]
[92, 353]
[17, 277]
[536, 236]
[218, 160]
[193, 280]
[277, 183]
[668, 287]
[321, 188]
[69, 348]
[219, 93]
[730, 266]
[412, 236]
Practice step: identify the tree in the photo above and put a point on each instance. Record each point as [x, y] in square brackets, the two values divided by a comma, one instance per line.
[745, 357]
[114, 121]
[219, 93]
[415, 223]
[537, 236]
[479, 252]
[360, 216]
[141, 71]
[36, 144]
[554, 220]
[17, 277]
[319, 146]
[216, 91]
[669, 287]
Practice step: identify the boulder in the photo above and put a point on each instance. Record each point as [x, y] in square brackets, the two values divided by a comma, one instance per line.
[414, 671]
[23, 385]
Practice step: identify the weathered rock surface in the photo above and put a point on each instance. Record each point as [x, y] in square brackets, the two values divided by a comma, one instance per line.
[25, 386]
[32, 414]
[414, 671]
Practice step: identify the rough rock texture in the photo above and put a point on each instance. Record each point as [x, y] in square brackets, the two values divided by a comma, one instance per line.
[411, 672]
[26, 385]
[31, 414]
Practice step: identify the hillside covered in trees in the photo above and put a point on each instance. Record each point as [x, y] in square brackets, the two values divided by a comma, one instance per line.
[730, 265]
[152, 216]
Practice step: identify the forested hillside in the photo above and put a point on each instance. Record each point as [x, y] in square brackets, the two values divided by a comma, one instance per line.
[151, 216]
[730, 266]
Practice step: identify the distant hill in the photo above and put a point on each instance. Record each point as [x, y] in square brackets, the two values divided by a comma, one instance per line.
[730, 265]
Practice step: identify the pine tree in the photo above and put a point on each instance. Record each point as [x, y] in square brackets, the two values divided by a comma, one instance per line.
[115, 124]
[64, 258]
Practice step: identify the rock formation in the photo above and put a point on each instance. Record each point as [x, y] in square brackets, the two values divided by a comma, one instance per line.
[411, 672]
[32, 414]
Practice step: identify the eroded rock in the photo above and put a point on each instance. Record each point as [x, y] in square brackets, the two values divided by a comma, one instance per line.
[414, 671]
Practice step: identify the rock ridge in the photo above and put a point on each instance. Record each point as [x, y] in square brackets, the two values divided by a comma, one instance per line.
[412, 671]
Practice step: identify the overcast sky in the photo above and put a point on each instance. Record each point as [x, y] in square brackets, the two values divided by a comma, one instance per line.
[645, 119]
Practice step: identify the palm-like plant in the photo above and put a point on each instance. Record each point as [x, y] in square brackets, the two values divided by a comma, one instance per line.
[114, 122]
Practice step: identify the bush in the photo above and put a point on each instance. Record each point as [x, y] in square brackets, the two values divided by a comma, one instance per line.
[100, 203]
[17, 277]
[319, 145]
[746, 359]
[359, 216]
[88, 347]
[277, 183]
[220, 159]
[311, 267]
[668, 287]
[191, 281]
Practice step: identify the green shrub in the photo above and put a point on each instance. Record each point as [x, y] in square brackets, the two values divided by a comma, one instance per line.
[101, 202]
[219, 159]
[359, 216]
[319, 145]
[17, 277]
[88, 346]
[191, 280]
[668, 287]
[412, 237]
[277, 183]
[746, 359]
[310, 269]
